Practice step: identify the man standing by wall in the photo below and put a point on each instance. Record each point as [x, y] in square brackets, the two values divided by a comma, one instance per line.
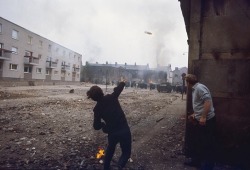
[203, 124]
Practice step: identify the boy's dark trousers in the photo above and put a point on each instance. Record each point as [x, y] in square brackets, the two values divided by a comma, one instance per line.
[124, 138]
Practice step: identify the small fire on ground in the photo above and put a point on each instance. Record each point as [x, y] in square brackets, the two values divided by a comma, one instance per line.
[100, 153]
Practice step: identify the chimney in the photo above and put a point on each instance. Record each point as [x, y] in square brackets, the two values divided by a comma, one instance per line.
[106, 62]
[115, 63]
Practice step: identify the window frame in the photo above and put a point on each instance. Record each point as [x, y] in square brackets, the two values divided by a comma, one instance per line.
[63, 74]
[14, 51]
[49, 47]
[40, 43]
[14, 34]
[28, 53]
[30, 39]
[1, 52]
[1, 28]
[47, 72]
[11, 67]
[39, 70]
[29, 69]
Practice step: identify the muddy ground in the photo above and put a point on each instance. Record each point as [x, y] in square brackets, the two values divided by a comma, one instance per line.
[47, 127]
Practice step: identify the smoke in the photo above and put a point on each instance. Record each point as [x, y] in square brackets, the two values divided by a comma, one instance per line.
[163, 25]
[110, 30]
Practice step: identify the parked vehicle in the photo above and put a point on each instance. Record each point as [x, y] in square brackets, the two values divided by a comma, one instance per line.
[152, 86]
[164, 87]
[142, 85]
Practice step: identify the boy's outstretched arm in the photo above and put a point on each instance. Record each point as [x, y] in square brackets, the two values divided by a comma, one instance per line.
[118, 89]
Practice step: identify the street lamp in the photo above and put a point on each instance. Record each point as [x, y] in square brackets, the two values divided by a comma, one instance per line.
[106, 80]
[183, 83]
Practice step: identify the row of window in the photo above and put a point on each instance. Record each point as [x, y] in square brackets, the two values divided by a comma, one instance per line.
[14, 35]
[28, 53]
[28, 69]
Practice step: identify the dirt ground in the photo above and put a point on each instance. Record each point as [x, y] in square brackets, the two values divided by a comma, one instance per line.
[47, 127]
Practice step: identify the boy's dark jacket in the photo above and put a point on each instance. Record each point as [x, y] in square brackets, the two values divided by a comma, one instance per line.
[109, 110]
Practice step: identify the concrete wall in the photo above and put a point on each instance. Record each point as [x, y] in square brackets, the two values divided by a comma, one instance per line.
[219, 54]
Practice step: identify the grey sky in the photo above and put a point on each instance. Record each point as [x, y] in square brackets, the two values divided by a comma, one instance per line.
[107, 30]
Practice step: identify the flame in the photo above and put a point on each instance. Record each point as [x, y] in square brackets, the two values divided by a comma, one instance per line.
[100, 153]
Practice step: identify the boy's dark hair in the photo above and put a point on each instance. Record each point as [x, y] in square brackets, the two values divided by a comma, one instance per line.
[95, 93]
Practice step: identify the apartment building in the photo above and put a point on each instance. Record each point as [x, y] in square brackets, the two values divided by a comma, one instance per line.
[27, 58]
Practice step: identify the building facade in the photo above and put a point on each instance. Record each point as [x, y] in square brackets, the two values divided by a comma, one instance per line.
[133, 73]
[27, 58]
[176, 76]
[108, 73]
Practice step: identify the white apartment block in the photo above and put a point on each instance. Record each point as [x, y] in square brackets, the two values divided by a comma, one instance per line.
[26, 57]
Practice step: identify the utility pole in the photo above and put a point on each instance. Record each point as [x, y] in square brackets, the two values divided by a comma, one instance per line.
[106, 81]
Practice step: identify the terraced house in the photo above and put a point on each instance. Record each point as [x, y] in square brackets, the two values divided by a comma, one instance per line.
[27, 58]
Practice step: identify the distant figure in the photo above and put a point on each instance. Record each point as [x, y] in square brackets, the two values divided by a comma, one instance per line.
[203, 125]
[109, 116]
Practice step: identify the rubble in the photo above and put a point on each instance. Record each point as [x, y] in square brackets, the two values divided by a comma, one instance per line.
[48, 128]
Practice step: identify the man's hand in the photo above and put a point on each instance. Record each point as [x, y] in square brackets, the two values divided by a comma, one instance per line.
[202, 121]
[123, 80]
[191, 117]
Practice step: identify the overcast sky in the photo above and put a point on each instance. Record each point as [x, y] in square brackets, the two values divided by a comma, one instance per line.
[107, 30]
